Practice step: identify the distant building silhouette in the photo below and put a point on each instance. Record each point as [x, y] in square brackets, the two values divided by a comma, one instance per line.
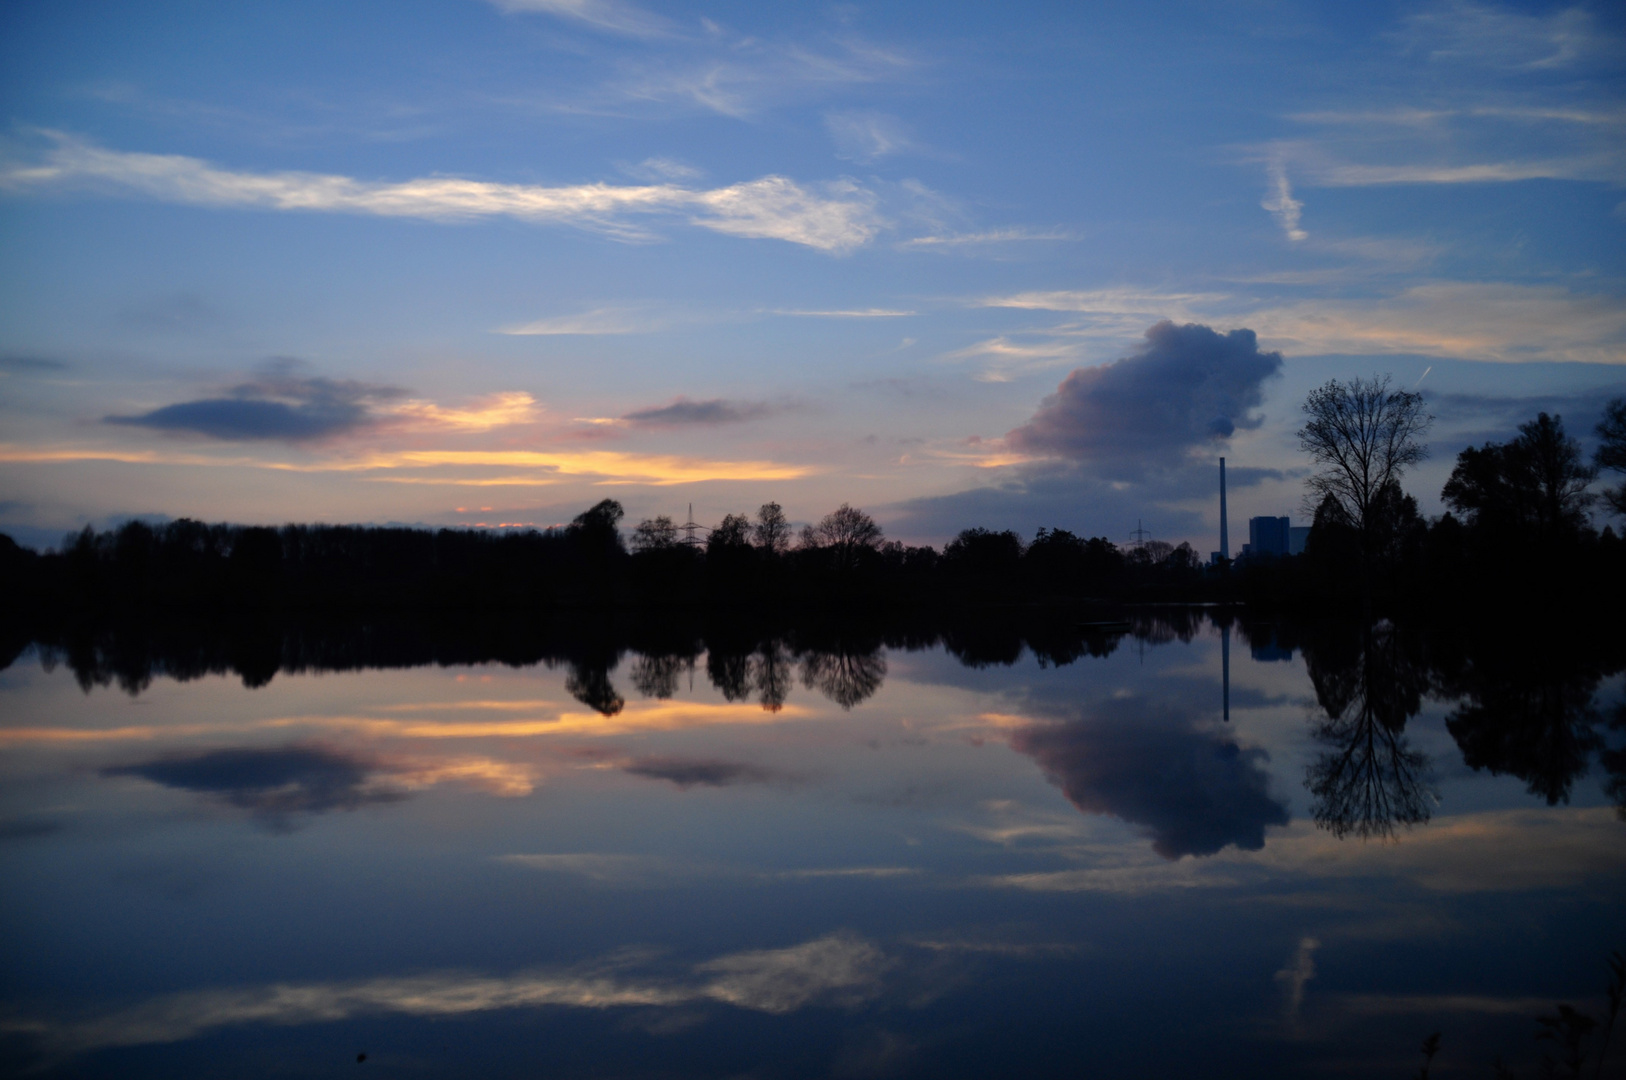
[1297, 537]
[1267, 537]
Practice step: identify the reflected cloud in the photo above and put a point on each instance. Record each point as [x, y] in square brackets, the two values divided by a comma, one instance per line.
[839, 970]
[276, 782]
[687, 772]
[272, 782]
[1154, 765]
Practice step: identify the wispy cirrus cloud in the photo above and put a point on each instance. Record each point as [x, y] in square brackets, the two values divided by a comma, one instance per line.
[609, 16]
[1500, 38]
[1496, 321]
[1287, 210]
[868, 136]
[598, 321]
[835, 217]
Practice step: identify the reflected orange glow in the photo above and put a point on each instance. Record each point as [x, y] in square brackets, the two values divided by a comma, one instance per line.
[504, 778]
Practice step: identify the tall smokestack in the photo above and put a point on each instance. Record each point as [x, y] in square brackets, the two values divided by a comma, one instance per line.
[1225, 528]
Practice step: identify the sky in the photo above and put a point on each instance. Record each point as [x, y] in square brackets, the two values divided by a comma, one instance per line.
[487, 262]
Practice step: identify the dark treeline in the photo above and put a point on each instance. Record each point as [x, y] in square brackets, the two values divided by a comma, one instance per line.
[842, 561]
[1518, 530]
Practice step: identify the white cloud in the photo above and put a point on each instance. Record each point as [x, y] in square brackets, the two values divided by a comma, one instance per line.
[1280, 202]
[990, 236]
[1500, 38]
[604, 320]
[840, 969]
[855, 313]
[835, 217]
[613, 16]
[1299, 971]
[866, 136]
[1467, 320]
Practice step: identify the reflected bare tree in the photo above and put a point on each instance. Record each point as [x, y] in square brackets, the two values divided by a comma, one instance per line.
[658, 676]
[1369, 781]
[771, 675]
[844, 677]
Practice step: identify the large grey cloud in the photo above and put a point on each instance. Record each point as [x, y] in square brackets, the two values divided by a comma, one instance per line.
[1185, 388]
[1155, 764]
[279, 404]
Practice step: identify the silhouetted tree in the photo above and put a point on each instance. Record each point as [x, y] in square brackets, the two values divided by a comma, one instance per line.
[1362, 437]
[772, 530]
[1611, 452]
[846, 534]
[654, 534]
[1536, 483]
[732, 533]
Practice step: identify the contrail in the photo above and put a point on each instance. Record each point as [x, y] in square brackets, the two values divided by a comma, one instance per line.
[1423, 376]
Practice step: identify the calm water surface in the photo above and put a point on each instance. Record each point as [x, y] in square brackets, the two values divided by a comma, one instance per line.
[840, 862]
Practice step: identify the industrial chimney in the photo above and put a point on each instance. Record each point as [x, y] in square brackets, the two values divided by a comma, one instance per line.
[1225, 530]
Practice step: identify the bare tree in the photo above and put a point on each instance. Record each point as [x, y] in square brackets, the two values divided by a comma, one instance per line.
[772, 531]
[845, 533]
[1363, 436]
[652, 534]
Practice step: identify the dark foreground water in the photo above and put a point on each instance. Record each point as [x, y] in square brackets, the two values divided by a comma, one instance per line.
[799, 861]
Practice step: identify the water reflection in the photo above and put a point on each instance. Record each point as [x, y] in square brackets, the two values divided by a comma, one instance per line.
[273, 782]
[1154, 764]
[1369, 781]
[1528, 712]
[738, 853]
[1522, 707]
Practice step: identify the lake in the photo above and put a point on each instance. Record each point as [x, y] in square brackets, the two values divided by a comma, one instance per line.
[1189, 845]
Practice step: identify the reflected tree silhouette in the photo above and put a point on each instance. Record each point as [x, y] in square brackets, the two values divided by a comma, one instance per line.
[1614, 764]
[844, 677]
[658, 676]
[770, 669]
[730, 673]
[1369, 781]
[590, 684]
[1529, 716]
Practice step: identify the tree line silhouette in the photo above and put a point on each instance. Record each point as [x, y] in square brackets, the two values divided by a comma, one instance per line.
[1518, 527]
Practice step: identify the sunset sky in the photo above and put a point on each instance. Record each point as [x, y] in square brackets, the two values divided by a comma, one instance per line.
[468, 262]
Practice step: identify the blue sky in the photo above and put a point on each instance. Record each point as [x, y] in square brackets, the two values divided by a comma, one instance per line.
[463, 261]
